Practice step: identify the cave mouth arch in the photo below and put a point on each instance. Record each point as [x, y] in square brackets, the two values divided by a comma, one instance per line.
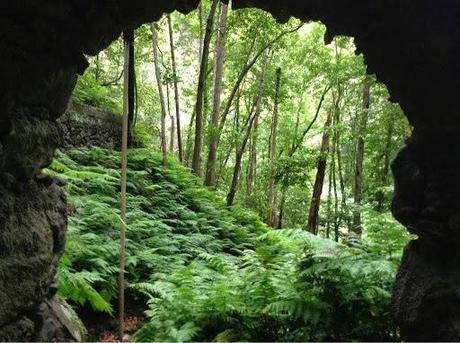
[412, 48]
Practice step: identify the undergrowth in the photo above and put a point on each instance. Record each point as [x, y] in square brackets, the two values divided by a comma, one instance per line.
[213, 273]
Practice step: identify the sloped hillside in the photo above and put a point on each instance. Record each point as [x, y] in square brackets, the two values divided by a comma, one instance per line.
[209, 272]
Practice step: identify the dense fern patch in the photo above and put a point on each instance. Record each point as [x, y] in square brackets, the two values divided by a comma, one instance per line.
[213, 273]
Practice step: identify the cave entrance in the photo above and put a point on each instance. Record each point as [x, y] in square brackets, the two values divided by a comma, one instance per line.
[411, 47]
[320, 92]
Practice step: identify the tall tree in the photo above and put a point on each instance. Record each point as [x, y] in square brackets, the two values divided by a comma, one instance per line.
[385, 169]
[253, 115]
[128, 107]
[253, 150]
[176, 89]
[210, 179]
[358, 188]
[172, 127]
[315, 202]
[196, 161]
[271, 217]
[247, 67]
[156, 61]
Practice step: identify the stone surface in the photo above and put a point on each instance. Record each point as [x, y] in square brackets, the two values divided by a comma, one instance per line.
[427, 290]
[84, 126]
[59, 322]
[412, 46]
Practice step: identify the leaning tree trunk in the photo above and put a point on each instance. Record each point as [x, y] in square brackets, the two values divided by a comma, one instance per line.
[254, 137]
[312, 224]
[176, 90]
[257, 107]
[210, 179]
[156, 61]
[243, 74]
[238, 160]
[358, 189]
[196, 161]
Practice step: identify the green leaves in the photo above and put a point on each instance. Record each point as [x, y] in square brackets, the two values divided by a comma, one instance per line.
[77, 286]
[208, 272]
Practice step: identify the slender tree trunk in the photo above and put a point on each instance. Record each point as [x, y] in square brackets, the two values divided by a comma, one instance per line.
[189, 141]
[176, 89]
[210, 179]
[156, 61]
[256, 108]
[252, 168]
[298, 142]
[200, 22]
[196, 162]
[127, 109]
[282, 205]
[380, 196]
[329, 198]
[337, 215]
[237, 168]
[319, 180]
[172, 128]
[250, 63]
[271, 218]
[358, 189]
[343, 203]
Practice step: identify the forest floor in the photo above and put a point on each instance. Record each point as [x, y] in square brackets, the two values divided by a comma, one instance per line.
[103, 327]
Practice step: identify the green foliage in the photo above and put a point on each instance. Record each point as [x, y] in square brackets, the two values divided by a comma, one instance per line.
[89, 91]
[292, 287]
[212, 273]
[171, 220]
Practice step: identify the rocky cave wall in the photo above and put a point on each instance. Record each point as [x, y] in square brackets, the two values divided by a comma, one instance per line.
[412, 46]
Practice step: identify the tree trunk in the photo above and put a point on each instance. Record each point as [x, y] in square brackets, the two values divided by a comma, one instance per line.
[338, 151]
[337, 215]
[380, 196]
[245, 71]
[156, 61]
[196, 162]
[189, 141]
[271, 217]
[298, 142]
[210, 179]
[282, 203]
[200, 25]
[252, 168]
[238, 160]
[256, 108]
[242, 75]
[172, 129]
[358, 189]
[127, 109]
[129, 39]
[176, 90]
[329, 197]
[319, 180]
